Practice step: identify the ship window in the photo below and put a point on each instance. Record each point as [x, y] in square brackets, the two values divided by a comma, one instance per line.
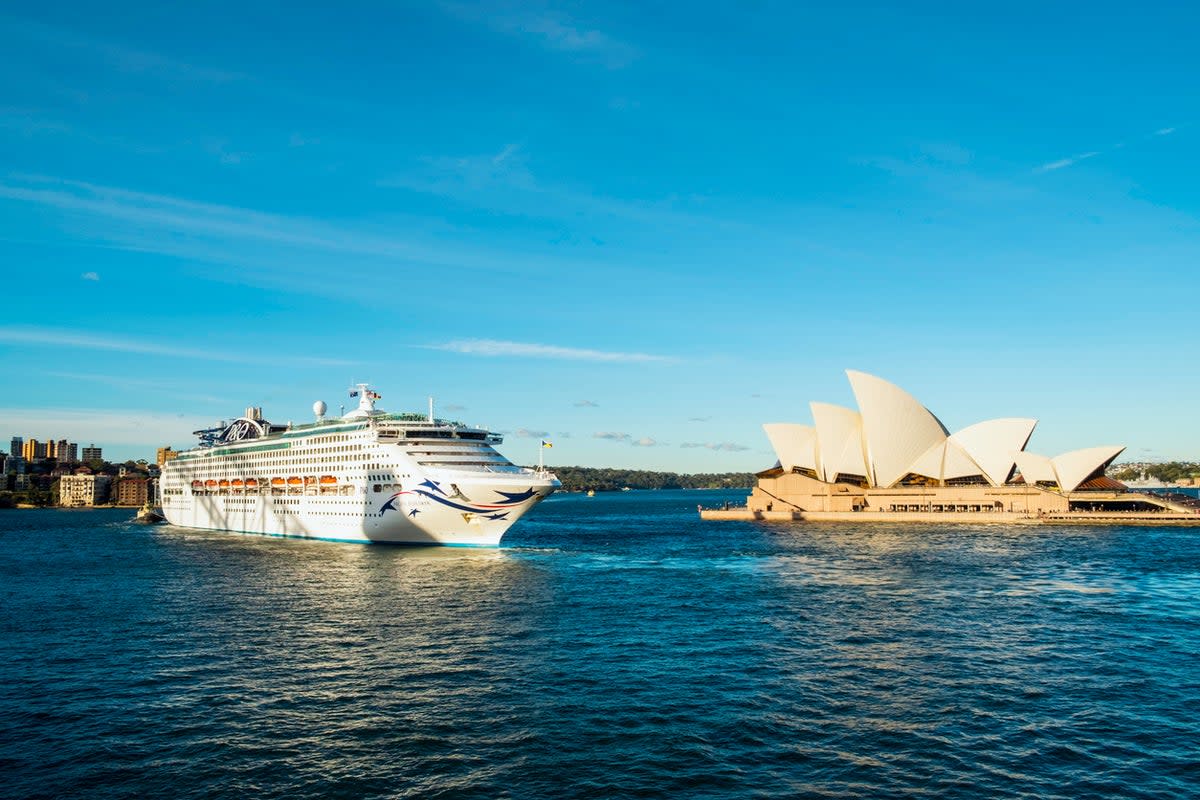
[377, 487]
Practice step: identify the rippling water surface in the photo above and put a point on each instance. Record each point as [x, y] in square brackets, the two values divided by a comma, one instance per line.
[615, 646]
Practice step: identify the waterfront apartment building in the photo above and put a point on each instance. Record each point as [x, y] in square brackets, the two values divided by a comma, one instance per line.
[17, 447]
[133, 492]
[91, 452]
[81, 491]
[33, 450]
[164, 455]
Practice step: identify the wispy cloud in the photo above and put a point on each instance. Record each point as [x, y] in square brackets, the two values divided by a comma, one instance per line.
[1066, 162]
[145, 386]
[114, 54]
[495, 348]
[181, 215]
[504, 181]
[946, 172]
[626, 438]
[699, 419]
[27, 122]
[90, 276]
[34, 122]
[504, 155]
[728, 447]
[586, 404]
[1062, 163]
[270, 250]
[223, 152]
[454, 407]
[550, 29]
[560, 33]
[84, 340]
[525, 433]
[455, 175]
[107, 428]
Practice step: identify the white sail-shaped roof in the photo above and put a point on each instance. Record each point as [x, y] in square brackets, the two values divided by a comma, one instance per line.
[839, 441]
[945, 460]
[897, 429]
[1035, 468]
[893, 435]
[990, 444]
[795, 445]
[958, 462]
[929, 463]
[1075, 467]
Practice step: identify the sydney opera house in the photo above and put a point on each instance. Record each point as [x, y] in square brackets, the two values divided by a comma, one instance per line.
[892, 459]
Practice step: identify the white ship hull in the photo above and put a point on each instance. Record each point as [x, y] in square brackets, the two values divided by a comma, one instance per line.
[386, 517]
[369, 477]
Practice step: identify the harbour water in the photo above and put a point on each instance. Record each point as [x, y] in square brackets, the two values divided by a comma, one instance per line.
[615, 646]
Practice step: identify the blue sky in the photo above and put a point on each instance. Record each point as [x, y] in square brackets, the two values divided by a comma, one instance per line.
[637, 230]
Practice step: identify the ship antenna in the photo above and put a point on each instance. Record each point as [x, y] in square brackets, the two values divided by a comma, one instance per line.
[431, 408]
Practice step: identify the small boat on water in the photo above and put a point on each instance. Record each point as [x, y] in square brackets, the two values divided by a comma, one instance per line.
[148, 516]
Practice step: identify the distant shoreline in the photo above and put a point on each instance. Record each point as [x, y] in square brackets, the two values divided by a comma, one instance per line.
[28, 507]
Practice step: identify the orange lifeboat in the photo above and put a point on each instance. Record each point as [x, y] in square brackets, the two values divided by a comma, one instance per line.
[277, 481]
[210, 484]
[251, 483]
[328, 480]
[224, 484]
[294, 481]
[197, 484]
[237, 483]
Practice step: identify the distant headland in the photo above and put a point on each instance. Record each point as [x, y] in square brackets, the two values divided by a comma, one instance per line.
[610, 479]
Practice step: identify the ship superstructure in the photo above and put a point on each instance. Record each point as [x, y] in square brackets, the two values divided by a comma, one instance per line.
[367, 476]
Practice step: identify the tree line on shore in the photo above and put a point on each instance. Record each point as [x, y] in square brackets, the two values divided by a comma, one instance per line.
[1169, 472]
[608, 479]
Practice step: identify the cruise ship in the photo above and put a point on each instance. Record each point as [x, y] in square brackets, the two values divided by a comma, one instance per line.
[367, 476]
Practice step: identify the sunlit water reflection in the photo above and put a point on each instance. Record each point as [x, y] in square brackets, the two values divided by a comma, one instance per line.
[616, 646]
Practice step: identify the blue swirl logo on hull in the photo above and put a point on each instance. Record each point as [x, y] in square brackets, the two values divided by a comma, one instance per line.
[433, 491]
